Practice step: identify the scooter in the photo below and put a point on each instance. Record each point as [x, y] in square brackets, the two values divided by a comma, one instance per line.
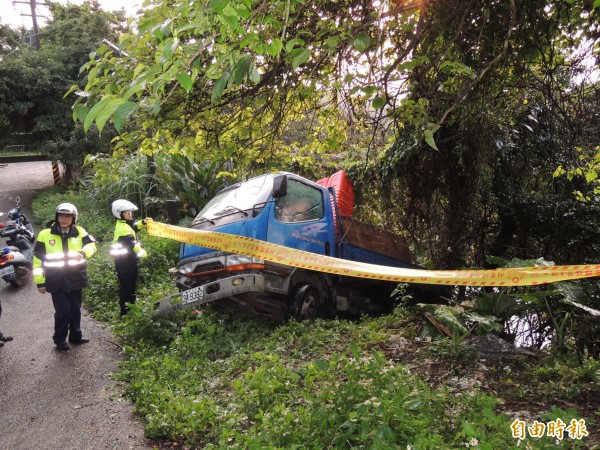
[15, 268]
[17, 218]
[16, 260]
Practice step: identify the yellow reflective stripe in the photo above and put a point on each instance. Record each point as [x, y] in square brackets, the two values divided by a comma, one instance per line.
[74, 262]
[60, 259]
[118, 249]
[60, 255]
[54, 264]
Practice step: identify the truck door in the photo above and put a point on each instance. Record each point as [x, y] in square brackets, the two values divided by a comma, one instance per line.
[301, 219]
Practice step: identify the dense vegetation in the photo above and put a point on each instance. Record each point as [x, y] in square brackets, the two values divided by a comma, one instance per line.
[214, 378]
[470, 127]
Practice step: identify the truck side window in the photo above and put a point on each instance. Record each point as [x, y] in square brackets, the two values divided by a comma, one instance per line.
[301, 203]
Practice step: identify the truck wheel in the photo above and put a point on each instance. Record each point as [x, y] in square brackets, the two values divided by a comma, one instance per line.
[307, 303]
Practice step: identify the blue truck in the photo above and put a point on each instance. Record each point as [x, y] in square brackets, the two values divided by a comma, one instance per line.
[289, 210]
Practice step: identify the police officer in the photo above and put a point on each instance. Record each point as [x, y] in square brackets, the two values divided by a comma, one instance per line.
[126, 250]
[59, 267]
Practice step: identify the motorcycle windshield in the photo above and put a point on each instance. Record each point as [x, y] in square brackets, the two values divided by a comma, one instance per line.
[236, 210]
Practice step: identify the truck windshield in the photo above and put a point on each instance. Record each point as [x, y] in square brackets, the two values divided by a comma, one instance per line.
[239, 197]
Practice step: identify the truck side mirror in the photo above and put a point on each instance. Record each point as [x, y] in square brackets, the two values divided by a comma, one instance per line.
[172, 212]
[280, 186]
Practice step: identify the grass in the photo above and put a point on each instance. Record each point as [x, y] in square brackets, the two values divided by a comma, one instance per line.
[13, 153]
[213, 379]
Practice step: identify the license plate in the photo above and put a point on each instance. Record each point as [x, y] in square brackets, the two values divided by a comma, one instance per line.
[7, 270]
[192, 295]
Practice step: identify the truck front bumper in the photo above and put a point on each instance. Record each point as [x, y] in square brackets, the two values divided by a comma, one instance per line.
[210, 292]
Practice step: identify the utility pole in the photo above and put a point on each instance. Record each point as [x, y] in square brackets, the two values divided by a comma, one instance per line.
[36, 33]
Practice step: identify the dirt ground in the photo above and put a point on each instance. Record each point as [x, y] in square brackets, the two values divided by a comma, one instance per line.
[51, 399]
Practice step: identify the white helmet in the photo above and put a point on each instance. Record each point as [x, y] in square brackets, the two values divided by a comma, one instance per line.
[120, 206]
[66, 208]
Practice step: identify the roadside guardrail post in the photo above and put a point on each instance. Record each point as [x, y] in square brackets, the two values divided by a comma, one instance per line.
[56, 172]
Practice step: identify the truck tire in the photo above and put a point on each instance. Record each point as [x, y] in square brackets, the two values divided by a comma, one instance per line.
[307, 303]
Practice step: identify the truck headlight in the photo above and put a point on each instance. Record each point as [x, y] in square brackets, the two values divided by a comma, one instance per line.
[240, 260]
[186, 269]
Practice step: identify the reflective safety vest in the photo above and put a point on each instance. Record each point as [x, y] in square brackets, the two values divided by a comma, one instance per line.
[125, 245]
[56, 264]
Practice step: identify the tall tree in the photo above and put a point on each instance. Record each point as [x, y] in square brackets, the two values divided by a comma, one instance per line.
[33, 83]
[10, 42]
[501, 83]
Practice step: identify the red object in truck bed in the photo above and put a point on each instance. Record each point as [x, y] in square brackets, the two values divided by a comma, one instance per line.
[344, 194]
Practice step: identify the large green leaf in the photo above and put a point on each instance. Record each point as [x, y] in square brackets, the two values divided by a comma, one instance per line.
[79, 112]
[254, 75]
[497, 304]
[361, 42]
[71, 90]
[331, 43]
[275, 47]
[135, 89]
[219, 87]
[107, 112]
[243, 11]
[185, 80]
[231, 18]
[291, 44]
[122, 113]
[369, 90]
[300, 58]
[378, 102]
[430, 139]
[241, 69]
[218, 5]
[91, 115]
[169, 47]
[591, 175]
[91, 77]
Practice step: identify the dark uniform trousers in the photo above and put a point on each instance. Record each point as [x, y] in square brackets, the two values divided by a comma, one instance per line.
[67, 316]
[127, 273]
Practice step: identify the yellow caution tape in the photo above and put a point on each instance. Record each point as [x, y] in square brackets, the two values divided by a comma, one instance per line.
[525, 276]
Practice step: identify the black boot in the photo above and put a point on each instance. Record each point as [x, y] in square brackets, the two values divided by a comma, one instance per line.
[62, 346]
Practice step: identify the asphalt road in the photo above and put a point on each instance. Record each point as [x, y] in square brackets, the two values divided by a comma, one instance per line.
[50, 399]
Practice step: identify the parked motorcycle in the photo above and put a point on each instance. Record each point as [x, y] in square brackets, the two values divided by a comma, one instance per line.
[16, 260]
